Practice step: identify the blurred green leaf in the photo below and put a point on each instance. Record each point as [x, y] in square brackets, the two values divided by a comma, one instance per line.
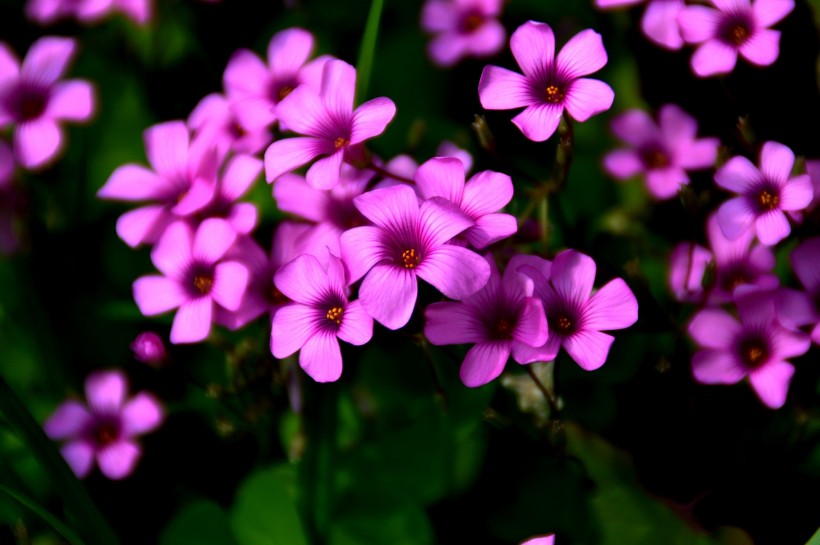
[364, 66]
[44, 514]
[815, 539]
[201, 522]
[380, 523]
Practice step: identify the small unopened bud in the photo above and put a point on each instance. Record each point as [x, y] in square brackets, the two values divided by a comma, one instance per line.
[688, 198]
[149, 348]
[745, 130]
[482, 130]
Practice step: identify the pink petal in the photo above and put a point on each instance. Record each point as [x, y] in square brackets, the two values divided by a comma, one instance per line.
[293, 194]
[245, 75]
[484, 362]
[685, 278]
[735, 216]
[712, 58]
[79, 455]
[539, 121]
[229, 285]
[623, 164]
[635, 127]
[288, 154]
[660, 23]
[583, 54]
[240, 173]
[292, 326]
[438, 16]
[253, 114]
[607, 4]
[388, 294]
[665, 183]
[587, 97]
[486, 192]
[440, 221]
[303, 280]
[612, 307]
[772, 227]
[716, 366]
[303, 112]
[391, 207]
[140, 11]
[143, 225]
[714, 328]
[166, 146]
[805, 260]
[790, 344]
[700, 154]
[242, 218]
[550, 540]
[698, 23]
[172, 254]
[771, 383]
[192, 322]
[533, 46]
[105, 391]
[501, 89]
[486, 40]
[288, 50]
[324, 173]
[157, 294]
[371, 118]
[795, 309]
[36, 142]
[738, 174]
[455, 271]
[452, 323]
[797, 194]
[572, 276]
[447, 49]
[491, 228]
[118, 460]
[678, 127]
[213, 238]
[532, 328]
[338, 88]
[141, 414]
[198, 196]
[523, 353]
[362, 248]
[68, 420]
[769, 12]
[9, 65]
[321, 357]
[588, 348]
[357, 326]
[47, 59]
[71, 100]
[133, 183]
[762, 48]
[441, 177]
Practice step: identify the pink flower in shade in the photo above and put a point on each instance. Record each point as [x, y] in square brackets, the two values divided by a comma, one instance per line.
[757, 346]
[549, 84]
[196, 278]
[34, 100]
[500, 319]
[480, 198]
[813, 170]
[405, 166]
[408, 240]
[800, 308]
[255, 88]
[181, 182]
[662, 152]
[331, 125]
[235, 181]
[659, 22]
[105, 430]
[9, 198]
[319, 315]
[215, 118]
[765, 193]
[736, 263]
[148, 348]
[47, 12]
[576, 316]
[542, 540]
[735, 27]
[462, 28]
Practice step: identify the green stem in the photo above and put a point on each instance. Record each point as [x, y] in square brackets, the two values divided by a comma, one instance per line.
[364, 67]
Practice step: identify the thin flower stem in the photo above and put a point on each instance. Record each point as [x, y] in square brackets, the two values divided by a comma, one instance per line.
[548, 396]
[441, 393]
[387, 174]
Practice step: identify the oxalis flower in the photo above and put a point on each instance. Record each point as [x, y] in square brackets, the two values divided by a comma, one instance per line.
[549, 84]
[319, 315]
[331, 125]
[500, 319]
[800, 308]
[756, 346]
[735, 27]
[408, 240]
[765, 193]
[462, 28]
[659, 22]
[107, 428]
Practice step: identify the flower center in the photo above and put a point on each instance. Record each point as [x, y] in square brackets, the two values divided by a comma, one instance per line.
[340, 142]
[655, 158]
[410, 259]
[768, 200]
[753, 353]
[203, 283]
[471, 22]
[236, 130]
[335, 315]
[738, 34]
[563, 325]
[276, 297]
[284, 91]
[106, 433]
[554, 94]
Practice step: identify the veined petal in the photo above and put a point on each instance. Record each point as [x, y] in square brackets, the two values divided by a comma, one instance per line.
[192, 322]
[440, 221]
[587, 97]
[484, 362]
[797, 194]
[71, 100]
[486, 192]
[491, 228]
[362, 248]
[324, 173]
[68, 420]
[303, 280]
[712, 58]
[288, 50]
[454, 271]
[141, 414]
[166, 145]
[453, 323]
[229, 284]
[133, 183]
[105, 391]
[338, 88]
[321, 357]
[716, 366]
[762, 48]
[588, 348]
[157, 294]
[394, 208]
[47, 59]
[213, 238]
[583, 54]
[735, 216]
[388, 294]
[36, 142]
[303, 112]
[771, 383]
[738, 175]
[441, 177]
[539, 121]
[292, 326]
[288, 154]
[572, 276]
[118, 459]
[772, 227]
[523, 353]
[533, 46]
[532, 328]
[612, 307]
[371, 118]
[502, 89]
[293, 194]
[357, 326]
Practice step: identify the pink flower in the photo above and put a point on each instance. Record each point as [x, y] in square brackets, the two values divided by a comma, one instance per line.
[216, 119]
[662, 152]
[408, 240]
[757, 346]
[575, 315]
[735, 27]
[480, 198]
[34, 100]
[107, 428]
[149, 348]
[549, 84]
[765, 193]
[332, 126]
[462, 28]
[500, 319]
[196, 278]
[319, 315]
[542, 540]
[235, 181]
[47, 12]
[800, 308]
[659, 22]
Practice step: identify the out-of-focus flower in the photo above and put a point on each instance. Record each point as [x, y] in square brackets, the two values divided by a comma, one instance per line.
[34, 100]
[800, 308]
[215, 119]
[332, 126]
[105, 430]
[499, 319]
[549, 84]
[662, 152]
[765, 193]
[196, 278]
[47, 12]
[234, 182]
[757, 346]
[408, 240]
[542, 540]
[319, 315]
[735, 27]
[149, 348]
[462, 28]
[659, 22]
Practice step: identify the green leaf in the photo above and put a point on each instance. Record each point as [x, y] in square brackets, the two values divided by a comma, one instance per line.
[201, 522]
[368, 49]
[264, 512]
[44, 514]
[815, 539]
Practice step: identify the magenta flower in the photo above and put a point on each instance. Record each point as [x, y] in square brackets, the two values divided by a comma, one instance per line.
[688, 263]
[47, 12]
[462, 28]
[576, 318]
[148, 348]
[757, 346]
[216, 120]
[330, 124]
[34, 100]
[196, 278]
[234, 182]
[765, 193]
[542, 540]
[659, 22]
[500, 319]
[407, 240]
[549, 85]
[105, 430]
[799, 308]
[182, 182]
[480, 198]
[319, 316]
[735, 27]
[662, 152]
